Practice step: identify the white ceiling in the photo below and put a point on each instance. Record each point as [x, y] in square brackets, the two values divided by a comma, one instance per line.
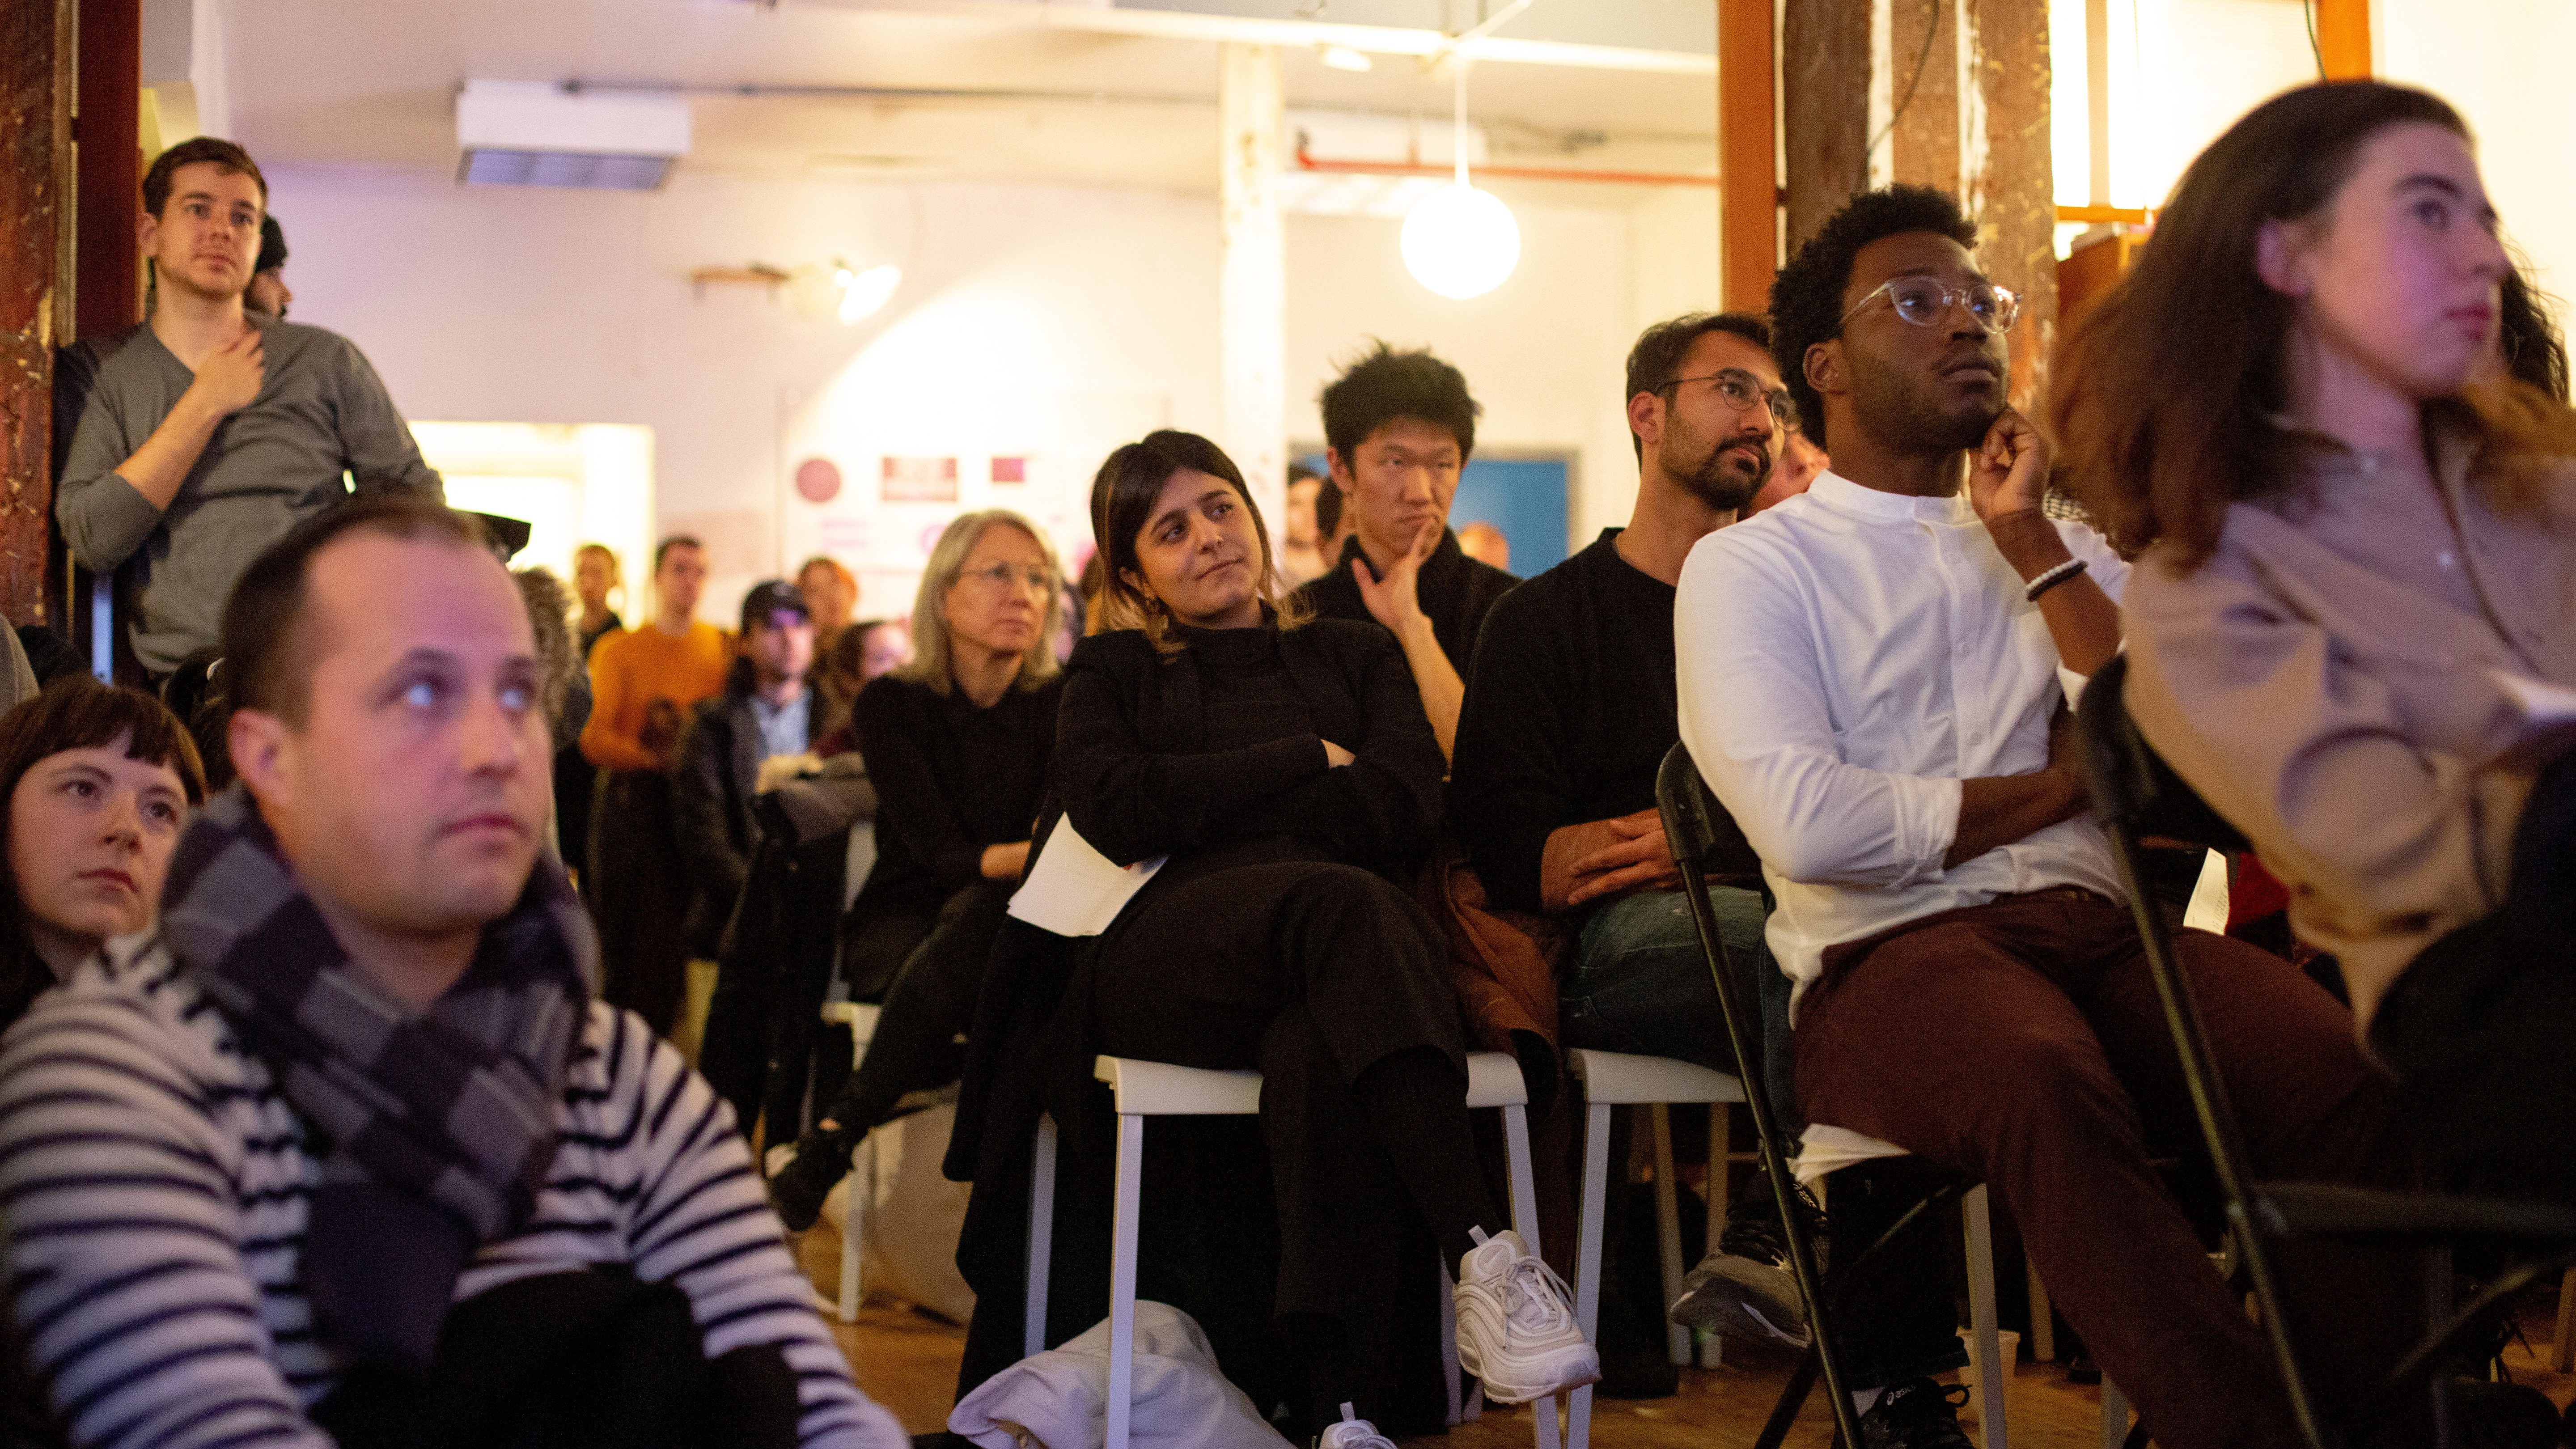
[839, 83]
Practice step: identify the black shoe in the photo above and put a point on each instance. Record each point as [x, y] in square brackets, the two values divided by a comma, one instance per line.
[797, 1191]
[1745, 1289]
[1916, 1414]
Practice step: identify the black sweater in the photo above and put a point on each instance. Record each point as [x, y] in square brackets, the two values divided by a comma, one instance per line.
[1455, 592]
[951, 779]
[1223, 743]
[1570, 710]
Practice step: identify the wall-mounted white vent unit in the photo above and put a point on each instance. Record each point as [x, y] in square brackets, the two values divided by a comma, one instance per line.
[519, 133]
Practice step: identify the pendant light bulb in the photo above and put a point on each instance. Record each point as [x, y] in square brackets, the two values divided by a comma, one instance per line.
[1459, 241]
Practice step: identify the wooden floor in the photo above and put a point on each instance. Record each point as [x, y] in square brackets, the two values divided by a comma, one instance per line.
[908, 1362]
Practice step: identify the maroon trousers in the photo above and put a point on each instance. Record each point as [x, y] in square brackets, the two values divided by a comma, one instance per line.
[2021, 1043]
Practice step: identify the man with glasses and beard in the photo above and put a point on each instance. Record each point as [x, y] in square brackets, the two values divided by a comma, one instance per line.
[1569, 712]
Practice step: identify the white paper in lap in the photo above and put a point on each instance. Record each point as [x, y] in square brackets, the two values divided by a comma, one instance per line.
[1074, 890]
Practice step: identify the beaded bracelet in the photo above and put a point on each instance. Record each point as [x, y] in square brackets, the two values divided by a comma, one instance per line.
[2052, 579]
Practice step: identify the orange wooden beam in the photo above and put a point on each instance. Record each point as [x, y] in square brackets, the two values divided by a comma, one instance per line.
[1747, 121]
[2343, 38]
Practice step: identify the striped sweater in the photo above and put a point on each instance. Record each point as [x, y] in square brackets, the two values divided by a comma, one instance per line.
[155, 1187]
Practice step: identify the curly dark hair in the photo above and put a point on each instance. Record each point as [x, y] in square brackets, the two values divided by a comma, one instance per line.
[1386, 385]
[1807, 295]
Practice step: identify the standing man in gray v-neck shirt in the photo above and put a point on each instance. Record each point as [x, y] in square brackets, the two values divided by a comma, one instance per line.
[210, 430]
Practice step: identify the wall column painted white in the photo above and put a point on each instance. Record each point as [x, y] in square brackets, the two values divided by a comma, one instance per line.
[1252, 270]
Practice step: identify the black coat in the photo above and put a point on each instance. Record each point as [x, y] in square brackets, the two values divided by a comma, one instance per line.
[711, 797]
[1132, 767]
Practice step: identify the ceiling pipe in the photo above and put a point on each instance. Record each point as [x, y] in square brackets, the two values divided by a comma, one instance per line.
[1306, 162]
[1369, 39]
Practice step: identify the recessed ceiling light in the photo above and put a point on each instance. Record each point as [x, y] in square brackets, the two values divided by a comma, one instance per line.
[1342, 57]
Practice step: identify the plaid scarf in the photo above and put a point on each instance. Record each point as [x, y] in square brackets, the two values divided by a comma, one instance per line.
[435, 1128]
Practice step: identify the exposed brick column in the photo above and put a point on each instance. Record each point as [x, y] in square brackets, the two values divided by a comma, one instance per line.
[35, 163]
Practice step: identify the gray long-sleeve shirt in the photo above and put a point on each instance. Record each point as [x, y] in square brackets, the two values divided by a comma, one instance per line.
[321, 412]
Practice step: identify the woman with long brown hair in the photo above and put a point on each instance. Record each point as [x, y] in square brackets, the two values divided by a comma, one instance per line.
[2358, 581]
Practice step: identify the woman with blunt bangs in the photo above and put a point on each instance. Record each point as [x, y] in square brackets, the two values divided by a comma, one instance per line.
[96, 782]
[2356, 611]
[1290, 779]
[958, 743]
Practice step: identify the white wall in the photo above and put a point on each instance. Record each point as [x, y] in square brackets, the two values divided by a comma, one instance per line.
[2503, 63]
[496, 304]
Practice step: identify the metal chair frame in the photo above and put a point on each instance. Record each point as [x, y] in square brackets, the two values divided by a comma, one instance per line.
[2136, 794]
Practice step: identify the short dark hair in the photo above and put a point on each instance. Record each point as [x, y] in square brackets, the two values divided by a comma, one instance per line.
[1807, 295]
[272, 246]
[1386, 385]
[267, 644]
[77, 712]
[1655, 362]
[223, 154]
[678, 540]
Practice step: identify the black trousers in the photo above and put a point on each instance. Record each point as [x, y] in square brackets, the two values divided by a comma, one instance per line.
[2481, 1029]
[1311, 973]
[640, 895]
[928, 1005]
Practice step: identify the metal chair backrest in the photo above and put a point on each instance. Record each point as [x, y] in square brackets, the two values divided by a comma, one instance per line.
[1690, 815]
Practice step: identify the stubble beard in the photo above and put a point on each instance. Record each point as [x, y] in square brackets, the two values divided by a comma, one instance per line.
[1718, 477]
[1899, 414]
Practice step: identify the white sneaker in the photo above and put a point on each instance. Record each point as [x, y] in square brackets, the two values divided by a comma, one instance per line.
[1352, 1433]
[1516, 1328]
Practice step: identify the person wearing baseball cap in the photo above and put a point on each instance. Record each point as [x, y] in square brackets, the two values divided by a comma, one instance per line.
[764, 710]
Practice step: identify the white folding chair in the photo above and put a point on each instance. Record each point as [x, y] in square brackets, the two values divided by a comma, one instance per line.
[861, 1018]
[1621, 1079]
[1142, 1089]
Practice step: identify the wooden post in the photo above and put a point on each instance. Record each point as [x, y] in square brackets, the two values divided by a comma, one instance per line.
[1747, 158]
[108, 128]
[35, 160]
[2009, 184]
[1252, 272]
[1824, 111]
[2343, 38]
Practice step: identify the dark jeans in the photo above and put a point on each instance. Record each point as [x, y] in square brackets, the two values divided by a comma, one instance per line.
[1637, 982]
[931, 1001]
[640, 894]
[2481, 1029]
[2021, 1043]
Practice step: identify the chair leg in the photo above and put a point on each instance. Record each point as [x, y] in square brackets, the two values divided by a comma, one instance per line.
[2043, 1317]
[1122, 1277]
[1033, 1328]
[2562, 1349]
[2115, 1416]
[862, 1187]
[1991, 1370]
[1668, 1230]
[1587, 1258]
[1712, 1345]
[1516, 1145]
[1450, 1374]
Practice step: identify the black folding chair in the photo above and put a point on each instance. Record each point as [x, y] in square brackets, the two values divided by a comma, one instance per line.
[1689, 816]
[2137, 795]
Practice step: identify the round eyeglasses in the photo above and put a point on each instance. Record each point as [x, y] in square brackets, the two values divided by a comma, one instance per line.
[1003, 576]
[1923, 300]
[1740, 390]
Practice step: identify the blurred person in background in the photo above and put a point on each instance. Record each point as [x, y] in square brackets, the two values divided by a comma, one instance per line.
[268, 291]
[644, 682]
[595, 578]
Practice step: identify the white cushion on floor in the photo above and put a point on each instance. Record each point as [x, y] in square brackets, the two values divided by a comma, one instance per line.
[1181, 1401]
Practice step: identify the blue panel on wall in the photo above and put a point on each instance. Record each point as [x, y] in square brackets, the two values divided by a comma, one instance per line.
[1524, 497]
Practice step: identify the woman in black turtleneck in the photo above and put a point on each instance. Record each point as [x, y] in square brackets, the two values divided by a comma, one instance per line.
[1289, 775]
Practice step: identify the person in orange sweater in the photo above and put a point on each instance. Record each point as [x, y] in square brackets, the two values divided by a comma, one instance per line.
[644, 683]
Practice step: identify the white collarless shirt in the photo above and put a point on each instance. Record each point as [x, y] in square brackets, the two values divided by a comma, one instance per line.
[1845, 660]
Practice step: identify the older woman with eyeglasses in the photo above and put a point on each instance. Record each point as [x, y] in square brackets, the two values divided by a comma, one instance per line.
[958, 743]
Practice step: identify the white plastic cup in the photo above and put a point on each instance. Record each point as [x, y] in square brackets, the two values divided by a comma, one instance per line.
[2008, 1341]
